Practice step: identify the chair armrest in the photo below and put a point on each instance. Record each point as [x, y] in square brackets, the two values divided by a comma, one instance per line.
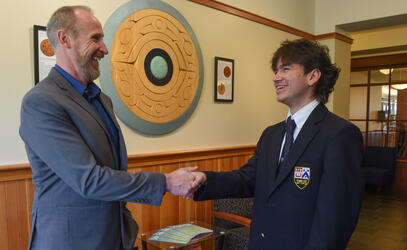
[234, 218]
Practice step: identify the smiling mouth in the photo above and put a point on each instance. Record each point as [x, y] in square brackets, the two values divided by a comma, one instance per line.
[96, 58]
[280, 87]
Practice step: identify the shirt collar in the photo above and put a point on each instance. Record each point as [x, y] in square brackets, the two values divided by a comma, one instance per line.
[90, 92]
[302, 115]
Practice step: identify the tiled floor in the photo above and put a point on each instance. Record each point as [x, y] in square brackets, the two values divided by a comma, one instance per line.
[382, 223]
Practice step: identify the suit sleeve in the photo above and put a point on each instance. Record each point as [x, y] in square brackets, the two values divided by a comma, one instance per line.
[55, 144]
[340, 191]
[234, 184]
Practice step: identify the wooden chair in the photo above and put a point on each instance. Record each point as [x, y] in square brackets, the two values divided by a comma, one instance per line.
[233, 216]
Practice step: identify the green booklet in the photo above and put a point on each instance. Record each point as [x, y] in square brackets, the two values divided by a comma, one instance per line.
[180, 234]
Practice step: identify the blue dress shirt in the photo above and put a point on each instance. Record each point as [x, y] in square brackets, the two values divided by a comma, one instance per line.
[91, 93]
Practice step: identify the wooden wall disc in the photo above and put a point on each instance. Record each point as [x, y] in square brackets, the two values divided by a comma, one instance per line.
[154, 69]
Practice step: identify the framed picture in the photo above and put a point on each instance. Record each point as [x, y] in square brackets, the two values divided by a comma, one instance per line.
[224, 77]
[44, 56]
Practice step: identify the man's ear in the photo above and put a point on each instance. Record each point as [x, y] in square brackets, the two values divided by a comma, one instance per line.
[63, 38]
[313, 77]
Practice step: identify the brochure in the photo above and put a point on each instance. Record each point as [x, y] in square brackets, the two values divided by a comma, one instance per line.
[180, 234]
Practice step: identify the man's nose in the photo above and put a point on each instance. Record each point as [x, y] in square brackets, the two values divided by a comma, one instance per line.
[277, 77]
[103, 47]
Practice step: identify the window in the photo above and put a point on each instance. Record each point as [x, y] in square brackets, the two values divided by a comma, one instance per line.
[378, 106]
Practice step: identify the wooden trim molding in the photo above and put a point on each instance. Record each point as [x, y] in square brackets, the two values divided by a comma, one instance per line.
[376, 62]
[23, 171]
[233, 217]
[151, 159]
[253, 17]
[402, 161]
[334, 35]
[262, 20]
[15, 172]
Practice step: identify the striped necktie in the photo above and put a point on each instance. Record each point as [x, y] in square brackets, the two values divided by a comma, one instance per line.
[289, 138]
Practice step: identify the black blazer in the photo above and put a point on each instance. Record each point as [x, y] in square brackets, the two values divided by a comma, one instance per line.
[314, 201]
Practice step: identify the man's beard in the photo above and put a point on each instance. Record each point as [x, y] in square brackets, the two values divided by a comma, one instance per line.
[88, 72]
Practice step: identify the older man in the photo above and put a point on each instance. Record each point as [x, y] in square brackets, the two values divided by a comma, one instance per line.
[77, 152]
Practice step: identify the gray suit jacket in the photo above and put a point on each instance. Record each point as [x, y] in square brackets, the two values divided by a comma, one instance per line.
[81, 183]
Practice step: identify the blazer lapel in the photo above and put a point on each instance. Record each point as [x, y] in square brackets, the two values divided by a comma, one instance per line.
[309, 130]
[274, 151]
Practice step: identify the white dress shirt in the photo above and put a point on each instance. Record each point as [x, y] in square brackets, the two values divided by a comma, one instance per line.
[300, 117]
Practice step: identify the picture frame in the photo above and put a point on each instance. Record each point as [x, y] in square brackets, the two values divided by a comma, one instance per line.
[224, 79]
[44, 55]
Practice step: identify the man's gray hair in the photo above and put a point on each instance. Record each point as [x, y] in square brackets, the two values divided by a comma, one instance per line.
[63, 18]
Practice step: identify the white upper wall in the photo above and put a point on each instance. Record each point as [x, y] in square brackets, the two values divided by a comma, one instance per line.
[298, 14]
[250, 44]
[17, 61]
[329, 13]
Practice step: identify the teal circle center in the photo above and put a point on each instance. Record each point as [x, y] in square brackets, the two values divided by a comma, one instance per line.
[159, 67]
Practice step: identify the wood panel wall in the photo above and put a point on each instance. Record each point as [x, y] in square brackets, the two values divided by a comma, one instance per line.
[16, 192]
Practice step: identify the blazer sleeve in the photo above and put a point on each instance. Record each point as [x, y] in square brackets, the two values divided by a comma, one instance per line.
[340, 191]
[54, 143]
[234, 184]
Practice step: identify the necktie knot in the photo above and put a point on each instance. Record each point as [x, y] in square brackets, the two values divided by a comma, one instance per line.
[290, 126]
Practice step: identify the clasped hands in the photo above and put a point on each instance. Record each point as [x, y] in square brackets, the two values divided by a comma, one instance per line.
[184, 181]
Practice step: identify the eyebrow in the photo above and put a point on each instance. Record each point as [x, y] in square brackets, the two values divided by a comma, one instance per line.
[284, 65]
[97, 35]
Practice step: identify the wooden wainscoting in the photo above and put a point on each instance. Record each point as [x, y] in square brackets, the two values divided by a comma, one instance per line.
[16, 192]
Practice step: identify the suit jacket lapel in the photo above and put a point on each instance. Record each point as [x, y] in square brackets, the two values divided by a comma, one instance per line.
[73, 94]
[309, 130]
[122, 154]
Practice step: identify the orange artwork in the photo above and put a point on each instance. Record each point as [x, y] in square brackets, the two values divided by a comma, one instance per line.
[221, 88]
[134, 67]
[46, 48]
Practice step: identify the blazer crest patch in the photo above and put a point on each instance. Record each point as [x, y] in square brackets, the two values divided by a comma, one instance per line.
[302, 176]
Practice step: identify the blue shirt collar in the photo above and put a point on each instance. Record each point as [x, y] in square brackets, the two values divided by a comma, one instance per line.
[90, 92]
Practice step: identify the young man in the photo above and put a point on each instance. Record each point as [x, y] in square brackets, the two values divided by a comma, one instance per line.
[77, 152]
[305, 175]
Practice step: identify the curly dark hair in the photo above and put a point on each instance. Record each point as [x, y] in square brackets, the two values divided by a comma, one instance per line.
[311, 55]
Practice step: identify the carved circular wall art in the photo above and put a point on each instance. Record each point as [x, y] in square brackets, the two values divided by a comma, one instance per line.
[154, 70]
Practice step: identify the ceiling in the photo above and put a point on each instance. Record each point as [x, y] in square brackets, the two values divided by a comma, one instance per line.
[374, 23]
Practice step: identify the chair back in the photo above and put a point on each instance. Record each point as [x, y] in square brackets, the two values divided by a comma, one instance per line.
[239, 206]
[380, 157]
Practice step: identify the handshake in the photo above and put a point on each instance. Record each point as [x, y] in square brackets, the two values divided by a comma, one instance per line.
[184, 181]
